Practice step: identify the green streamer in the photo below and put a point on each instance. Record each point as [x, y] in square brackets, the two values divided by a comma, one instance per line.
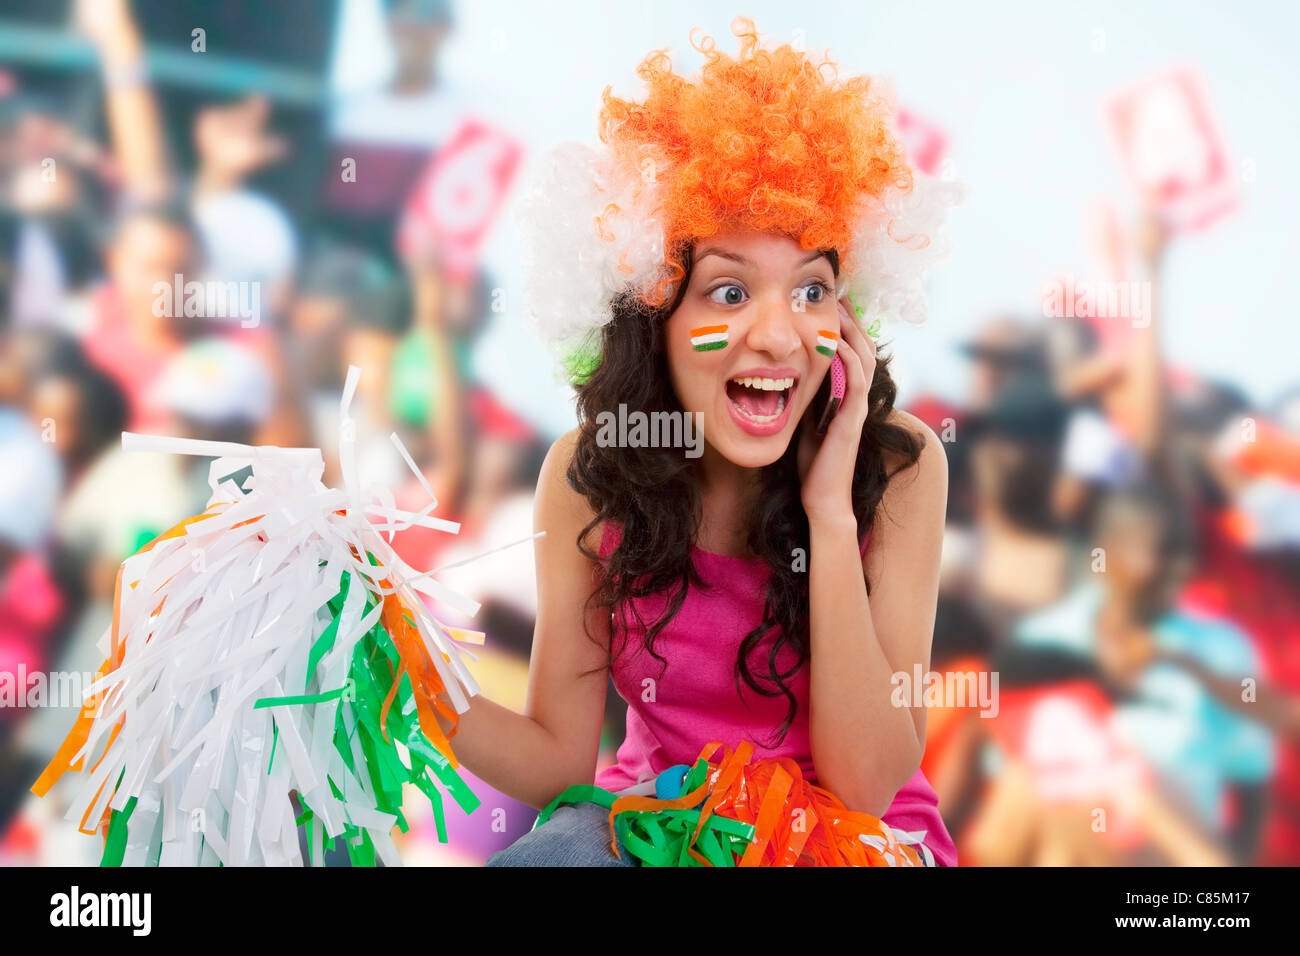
[374, 664]
[663, 837]
[334, 694]
[115, 845]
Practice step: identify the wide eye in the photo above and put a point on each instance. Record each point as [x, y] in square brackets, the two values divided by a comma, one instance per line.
[731, 295]
[814, 292]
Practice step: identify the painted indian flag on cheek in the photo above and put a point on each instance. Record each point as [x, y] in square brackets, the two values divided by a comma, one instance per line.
[708, 337]
[827, 341]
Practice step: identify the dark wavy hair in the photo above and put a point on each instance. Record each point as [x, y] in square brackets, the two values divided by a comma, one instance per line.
[654, 495]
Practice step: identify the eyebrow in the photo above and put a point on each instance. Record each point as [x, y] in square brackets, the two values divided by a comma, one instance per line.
[737, 257]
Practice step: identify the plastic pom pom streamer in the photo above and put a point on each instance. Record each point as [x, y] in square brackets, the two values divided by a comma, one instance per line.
[274, 645]
[738, 811]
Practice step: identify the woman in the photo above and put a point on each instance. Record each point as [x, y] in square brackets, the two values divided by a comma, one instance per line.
[700, 267]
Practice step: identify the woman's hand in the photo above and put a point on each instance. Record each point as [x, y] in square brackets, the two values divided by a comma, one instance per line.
[826, 462]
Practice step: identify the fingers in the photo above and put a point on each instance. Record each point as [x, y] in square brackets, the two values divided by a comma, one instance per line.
[855, 398]
[851, 329]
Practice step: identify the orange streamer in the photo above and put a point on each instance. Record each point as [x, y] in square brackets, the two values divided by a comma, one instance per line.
[426, 684]
[414, 658]
[796, 823]
[76, 739]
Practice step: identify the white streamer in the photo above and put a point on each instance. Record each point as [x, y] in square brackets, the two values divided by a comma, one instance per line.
[227, 612]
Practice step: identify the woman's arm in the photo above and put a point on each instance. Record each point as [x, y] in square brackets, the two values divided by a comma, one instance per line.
[865, 748]
[534, 756]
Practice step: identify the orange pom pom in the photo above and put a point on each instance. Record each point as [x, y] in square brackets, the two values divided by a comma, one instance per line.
[796, 823]
[768, 140]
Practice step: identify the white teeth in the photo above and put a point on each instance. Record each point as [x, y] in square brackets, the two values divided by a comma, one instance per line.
[767, 384]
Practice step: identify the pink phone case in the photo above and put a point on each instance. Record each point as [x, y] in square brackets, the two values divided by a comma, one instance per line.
[838, 386]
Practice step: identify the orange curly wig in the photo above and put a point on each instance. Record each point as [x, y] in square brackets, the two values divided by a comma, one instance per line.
[767, 140]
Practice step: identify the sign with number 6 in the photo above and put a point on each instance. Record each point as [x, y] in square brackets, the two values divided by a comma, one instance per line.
[456, 199]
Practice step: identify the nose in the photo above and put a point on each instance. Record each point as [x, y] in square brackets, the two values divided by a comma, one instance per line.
[773, 329]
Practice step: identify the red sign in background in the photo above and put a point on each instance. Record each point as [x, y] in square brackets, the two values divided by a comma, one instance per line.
[457, 198]
[1171, 148]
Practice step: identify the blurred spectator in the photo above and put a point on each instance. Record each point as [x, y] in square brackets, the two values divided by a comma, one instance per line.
[389, 133]
[1111, 369]
[32, 605]
[131, 337]
[28, 498]
[351, 308]
[47, 214]
[217, 390]
[1021, 557]
[1068, 425]
[417, 106]
[1004, 351]
[246, 237]
[1247, 568]
[1123, 618]
[83, 409]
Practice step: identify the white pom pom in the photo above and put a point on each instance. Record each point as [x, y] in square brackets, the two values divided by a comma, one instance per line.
[591, 231]
[900, 238]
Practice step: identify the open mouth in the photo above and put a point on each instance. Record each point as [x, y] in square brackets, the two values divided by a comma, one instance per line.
[760, 400]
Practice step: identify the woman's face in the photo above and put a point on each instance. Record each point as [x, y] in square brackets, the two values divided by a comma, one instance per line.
[742, 345]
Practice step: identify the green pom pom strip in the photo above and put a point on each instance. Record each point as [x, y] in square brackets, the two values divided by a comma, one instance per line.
[375, 659]
[857, 309]
[873, 329]
[580, 362]
[663, 837]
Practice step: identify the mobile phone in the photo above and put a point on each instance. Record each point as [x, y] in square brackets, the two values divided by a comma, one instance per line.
[830, 394]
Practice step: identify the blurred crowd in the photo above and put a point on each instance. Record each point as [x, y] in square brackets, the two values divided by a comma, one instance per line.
[98, 217]
[1123, 540]
[1123, 553]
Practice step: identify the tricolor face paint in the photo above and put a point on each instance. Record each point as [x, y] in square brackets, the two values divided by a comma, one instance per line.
[754, 391]
[828, 341]
[706, 338]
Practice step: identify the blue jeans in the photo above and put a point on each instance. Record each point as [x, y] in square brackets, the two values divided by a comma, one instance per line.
[577, 834]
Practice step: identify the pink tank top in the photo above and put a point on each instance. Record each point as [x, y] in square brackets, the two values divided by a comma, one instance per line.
[671, 718]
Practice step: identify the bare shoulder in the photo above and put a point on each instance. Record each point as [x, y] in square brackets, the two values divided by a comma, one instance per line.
[558, 507]
[932, 459]
[920, 486]
[561, 453]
